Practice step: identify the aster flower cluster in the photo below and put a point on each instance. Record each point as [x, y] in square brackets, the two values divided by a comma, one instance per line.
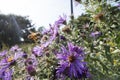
[64, 62]
[31, 65]
[49, 36]
[71, 62]
[57, 54]
[8, 61]
[14, 60]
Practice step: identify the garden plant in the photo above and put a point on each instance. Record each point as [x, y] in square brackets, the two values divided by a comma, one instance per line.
[85, 48]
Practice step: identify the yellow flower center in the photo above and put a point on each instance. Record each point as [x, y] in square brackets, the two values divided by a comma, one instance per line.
[10, 59]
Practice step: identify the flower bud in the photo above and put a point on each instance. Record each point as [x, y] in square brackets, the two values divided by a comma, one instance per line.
[31, 70]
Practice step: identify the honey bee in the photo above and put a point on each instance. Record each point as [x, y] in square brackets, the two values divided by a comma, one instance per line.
[35, 36]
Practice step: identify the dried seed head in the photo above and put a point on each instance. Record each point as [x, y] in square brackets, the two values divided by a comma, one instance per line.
[99, 16]
[66, 29]
[71, 58]
[44, 38]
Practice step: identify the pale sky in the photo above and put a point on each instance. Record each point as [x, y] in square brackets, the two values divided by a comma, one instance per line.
[41, 12]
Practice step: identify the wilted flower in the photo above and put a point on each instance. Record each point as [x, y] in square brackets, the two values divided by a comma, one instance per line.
[71, 62]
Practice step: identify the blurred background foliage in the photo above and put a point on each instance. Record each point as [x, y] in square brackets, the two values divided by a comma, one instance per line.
[14, 29]
[103, 52]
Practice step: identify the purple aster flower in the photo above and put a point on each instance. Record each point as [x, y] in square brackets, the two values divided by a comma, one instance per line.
[15, 48]
[53, 31]
[2, 69]
[52, 36]
[77, 49]
[48, 31]
[71, 62]
[10, 60]
[31, 64]
[3, 53]
[7, 74]
[31, 70]
[61, 20]
[31, 61]
[37, 50]
[45, 31]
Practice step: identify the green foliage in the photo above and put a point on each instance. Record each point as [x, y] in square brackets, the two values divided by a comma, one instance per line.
[103, 51]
